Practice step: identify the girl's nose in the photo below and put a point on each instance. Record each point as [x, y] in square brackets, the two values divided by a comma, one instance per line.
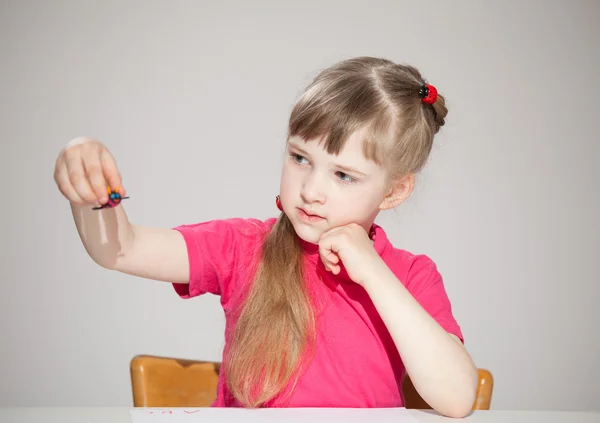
[312, 189]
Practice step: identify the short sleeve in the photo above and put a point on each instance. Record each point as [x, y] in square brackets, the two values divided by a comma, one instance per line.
[426, 285]
[220, 252]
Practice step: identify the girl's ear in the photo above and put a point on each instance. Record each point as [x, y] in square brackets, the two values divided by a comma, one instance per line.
[399, 192]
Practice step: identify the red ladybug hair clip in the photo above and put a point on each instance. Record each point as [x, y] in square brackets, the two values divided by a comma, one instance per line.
[428, 94]
[114, 199]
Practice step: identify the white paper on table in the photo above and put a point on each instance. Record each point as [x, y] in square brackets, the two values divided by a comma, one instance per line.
[271, 415]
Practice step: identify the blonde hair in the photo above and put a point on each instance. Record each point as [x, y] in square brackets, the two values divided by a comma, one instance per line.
[275, 332]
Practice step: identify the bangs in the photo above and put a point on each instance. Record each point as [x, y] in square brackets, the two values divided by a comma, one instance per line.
[332, 112]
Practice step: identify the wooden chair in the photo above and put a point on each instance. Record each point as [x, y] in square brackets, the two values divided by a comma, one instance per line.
[172, 382]
[483, 397]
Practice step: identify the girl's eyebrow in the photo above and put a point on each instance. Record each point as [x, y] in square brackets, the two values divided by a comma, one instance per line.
[296, 147]
[346, 169]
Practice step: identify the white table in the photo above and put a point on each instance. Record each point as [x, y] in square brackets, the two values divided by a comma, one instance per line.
[123, 415]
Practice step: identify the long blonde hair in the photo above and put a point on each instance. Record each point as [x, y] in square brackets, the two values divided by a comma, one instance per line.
[275, 332]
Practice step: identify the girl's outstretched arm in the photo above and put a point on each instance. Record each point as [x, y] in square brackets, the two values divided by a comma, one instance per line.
[115, 243]
[86, 174]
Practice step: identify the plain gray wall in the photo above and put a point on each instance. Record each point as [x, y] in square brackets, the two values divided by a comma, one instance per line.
[193, 99]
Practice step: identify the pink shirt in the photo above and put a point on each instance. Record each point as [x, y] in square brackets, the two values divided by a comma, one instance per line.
[356, 363]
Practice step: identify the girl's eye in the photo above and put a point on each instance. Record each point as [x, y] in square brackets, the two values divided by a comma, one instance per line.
[299, 159]
[345, 177]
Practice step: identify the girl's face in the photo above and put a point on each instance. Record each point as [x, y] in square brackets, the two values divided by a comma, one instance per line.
[320, 191]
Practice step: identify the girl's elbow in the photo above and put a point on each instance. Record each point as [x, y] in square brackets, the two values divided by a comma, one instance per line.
[459, 408]
[462, 404]
[457, 411]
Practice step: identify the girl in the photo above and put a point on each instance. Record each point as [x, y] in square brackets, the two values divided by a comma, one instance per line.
[321, 310]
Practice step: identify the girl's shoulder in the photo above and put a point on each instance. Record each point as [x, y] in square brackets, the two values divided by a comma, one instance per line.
[401, 260]
[413, 269]
[407, 260]
[234, 227]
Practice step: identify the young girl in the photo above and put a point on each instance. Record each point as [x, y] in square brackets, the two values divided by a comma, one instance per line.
[321, 310]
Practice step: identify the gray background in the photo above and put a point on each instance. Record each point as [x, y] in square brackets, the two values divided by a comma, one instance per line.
[193, 98]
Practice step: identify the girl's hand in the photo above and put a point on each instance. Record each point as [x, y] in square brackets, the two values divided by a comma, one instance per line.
[84, 170]
[351, 245]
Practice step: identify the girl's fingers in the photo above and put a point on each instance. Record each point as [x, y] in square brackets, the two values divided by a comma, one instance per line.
[78, 178]
[86, 172]
[95, 176]
[327, 251]
[111, 172]
[331, 262]
[64, 185]
[335, 269]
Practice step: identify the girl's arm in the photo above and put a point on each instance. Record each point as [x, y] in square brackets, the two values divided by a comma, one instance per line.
[115, 243]
[83, 171]
[438, 364]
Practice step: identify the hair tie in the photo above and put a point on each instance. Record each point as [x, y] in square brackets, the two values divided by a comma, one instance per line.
[428, 94]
